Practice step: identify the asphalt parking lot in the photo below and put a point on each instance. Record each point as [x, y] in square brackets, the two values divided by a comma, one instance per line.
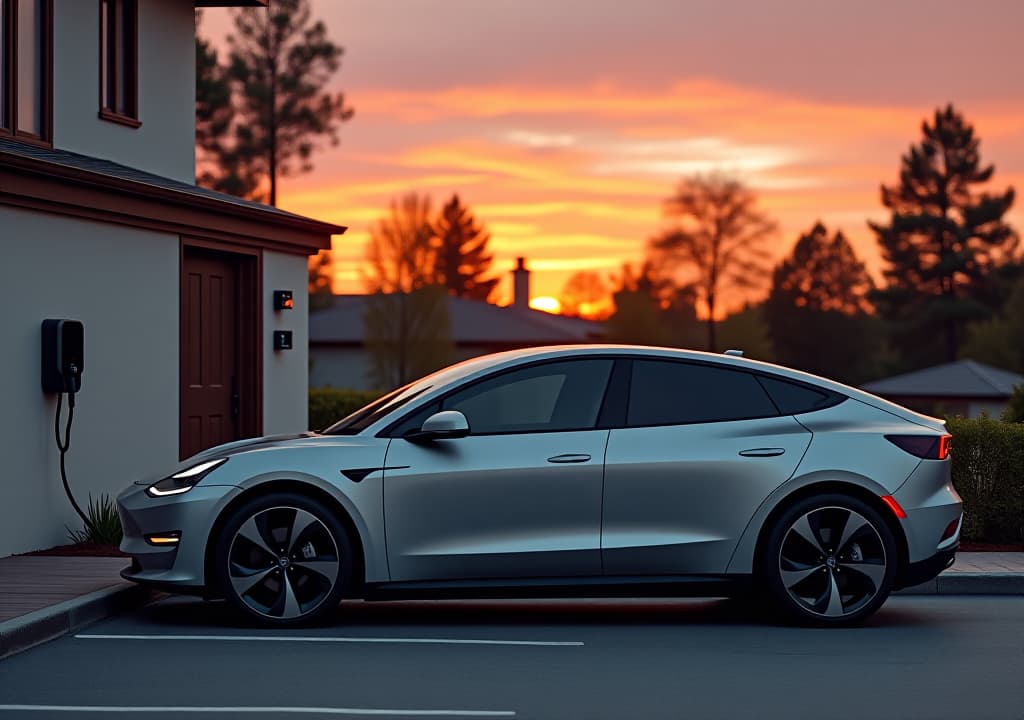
[919, 657]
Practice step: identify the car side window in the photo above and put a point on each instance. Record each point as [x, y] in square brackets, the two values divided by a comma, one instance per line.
[563, 395]
[664, 392]
[793, 398]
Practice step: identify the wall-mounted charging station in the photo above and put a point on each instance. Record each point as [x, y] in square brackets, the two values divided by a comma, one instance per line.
[63, 360]
[63, 356]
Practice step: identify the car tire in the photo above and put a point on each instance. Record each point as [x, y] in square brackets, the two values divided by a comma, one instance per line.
[283, 560]
[829, 561]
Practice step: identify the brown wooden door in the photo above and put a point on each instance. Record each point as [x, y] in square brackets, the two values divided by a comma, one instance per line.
[209, 350]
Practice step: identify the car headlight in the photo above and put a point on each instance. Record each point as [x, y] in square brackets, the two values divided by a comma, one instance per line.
[182, 482]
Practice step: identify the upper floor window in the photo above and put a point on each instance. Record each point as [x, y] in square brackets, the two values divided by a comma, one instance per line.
[26, 33]
[119, 77]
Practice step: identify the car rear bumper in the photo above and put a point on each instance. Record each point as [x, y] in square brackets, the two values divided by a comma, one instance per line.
[923, 571]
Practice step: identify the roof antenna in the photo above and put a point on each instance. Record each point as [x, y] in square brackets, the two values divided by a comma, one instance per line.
[734, 353]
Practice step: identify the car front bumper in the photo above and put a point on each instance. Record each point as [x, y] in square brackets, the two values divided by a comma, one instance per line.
[180, 567]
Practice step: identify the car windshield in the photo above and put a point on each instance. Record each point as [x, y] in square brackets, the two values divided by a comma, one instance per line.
[368, 415]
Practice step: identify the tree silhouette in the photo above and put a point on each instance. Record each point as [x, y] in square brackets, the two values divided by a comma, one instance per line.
[214, 116]
[462, 261]
[651, 310]
[718, 238]
[280, 61]
[320, 290]
[583, 294]
[407, 324]
[817, 310]
[943, 240]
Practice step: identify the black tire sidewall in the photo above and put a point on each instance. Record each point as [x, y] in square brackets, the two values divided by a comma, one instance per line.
[239, 515]
[771, 578]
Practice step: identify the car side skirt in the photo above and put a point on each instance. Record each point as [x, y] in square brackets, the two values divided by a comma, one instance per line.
[578, 587]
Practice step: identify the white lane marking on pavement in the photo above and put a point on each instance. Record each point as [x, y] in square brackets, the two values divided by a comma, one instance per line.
[240, 710]
[300, 638]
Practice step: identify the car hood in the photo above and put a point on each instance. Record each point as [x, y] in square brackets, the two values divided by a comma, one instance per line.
[268, 442]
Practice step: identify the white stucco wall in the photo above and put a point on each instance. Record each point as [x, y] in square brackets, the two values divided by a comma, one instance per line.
[164, 144]
[122, 283]
[285, 372]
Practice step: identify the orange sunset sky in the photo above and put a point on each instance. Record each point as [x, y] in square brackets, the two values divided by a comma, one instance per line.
[565, 123]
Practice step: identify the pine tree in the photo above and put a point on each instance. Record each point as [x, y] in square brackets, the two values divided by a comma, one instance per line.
[461, 261]
[944, 239]
[280, 61]
[817, 312]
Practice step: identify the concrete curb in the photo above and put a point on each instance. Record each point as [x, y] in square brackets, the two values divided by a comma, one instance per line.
[970, 583]
[35, 628]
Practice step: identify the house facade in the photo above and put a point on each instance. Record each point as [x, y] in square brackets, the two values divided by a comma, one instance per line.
[100, 222]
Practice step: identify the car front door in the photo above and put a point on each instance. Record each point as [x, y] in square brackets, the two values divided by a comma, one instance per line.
[519, 497]
[702, 447]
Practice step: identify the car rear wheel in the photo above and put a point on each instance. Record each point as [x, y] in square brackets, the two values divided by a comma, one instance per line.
[829, 560]
[284, 560]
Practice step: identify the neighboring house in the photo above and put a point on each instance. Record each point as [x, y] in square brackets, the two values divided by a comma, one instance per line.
[965, 388]
[339, 359]
[100, 222]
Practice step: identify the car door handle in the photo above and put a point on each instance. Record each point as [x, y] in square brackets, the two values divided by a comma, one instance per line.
[762, 452]
[569, 458]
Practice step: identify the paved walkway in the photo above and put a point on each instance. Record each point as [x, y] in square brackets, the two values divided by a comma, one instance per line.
[988, 562]
[30, 583]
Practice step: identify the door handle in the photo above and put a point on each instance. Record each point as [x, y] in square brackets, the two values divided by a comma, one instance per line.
[762, 452]
[569, 458]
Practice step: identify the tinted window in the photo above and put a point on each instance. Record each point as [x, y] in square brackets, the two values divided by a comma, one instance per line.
[793, 398]
[553, 396]
[674, 393]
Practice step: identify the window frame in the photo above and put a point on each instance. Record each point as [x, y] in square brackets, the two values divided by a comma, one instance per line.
[9, 27]
[439, 400]
[131, 71]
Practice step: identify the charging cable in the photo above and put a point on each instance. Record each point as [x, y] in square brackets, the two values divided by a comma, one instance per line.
[71, 386]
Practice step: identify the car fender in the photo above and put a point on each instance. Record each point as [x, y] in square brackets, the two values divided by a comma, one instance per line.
[742, 560]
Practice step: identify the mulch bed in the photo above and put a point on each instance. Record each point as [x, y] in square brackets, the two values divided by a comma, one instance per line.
[81, 550]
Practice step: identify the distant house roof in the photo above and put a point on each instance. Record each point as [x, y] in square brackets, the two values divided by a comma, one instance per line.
[474, 322]
[964, 378]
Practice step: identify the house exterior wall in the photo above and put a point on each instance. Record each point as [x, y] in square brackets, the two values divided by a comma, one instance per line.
[122, 283]
[164, 144]
[285, 372]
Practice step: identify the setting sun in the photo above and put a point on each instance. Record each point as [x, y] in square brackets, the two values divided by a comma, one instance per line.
[547, 304]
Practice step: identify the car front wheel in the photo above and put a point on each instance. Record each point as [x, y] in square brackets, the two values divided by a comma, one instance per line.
[829, 560]
[283, 560]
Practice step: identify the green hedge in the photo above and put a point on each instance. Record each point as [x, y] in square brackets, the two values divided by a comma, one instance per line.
[988, 472]
[328, 405]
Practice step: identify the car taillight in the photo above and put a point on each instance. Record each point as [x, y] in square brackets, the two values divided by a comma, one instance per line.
[929, 447]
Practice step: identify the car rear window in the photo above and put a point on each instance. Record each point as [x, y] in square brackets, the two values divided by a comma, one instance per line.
[794, 398]
[664, 392]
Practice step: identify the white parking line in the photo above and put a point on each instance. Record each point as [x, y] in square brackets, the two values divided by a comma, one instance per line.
[300, 638]
[251, 710]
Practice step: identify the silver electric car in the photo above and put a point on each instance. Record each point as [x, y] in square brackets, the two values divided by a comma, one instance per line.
[567, 471]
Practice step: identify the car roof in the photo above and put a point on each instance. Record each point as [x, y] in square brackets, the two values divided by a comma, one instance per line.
[466, 370]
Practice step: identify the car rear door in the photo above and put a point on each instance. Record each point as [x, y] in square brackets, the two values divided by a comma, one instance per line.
[702, 446]
[519, 497]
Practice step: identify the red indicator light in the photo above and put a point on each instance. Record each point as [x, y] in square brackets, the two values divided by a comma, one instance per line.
[894, 506]
[289, 304]
[950, 529]
[945, 445]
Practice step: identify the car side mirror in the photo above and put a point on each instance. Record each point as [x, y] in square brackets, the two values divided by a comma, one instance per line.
[444, 425]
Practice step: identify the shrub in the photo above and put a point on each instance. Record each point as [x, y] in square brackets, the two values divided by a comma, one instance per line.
[106, 525]
[1014, 412]
[328, 405]
[988, 472]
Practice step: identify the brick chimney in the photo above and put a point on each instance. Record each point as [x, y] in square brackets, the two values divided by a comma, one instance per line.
[521, 284]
